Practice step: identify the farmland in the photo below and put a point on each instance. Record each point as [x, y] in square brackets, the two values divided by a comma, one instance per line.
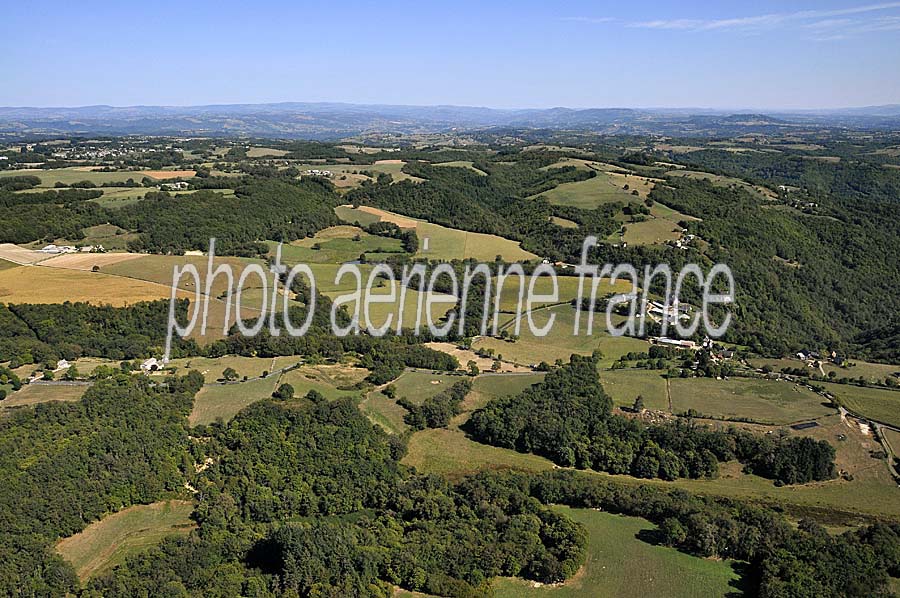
[879, 404]
[77, 174]
[623, 561]
[31, 394]
[443, 243]
[765, 401]
[39, 284]
[108, 542]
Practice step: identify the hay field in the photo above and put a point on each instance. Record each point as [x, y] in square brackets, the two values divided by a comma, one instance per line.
[21, 255]
[764, 401]
[39, 284]
[31, 394]
[108, 542]
[86, 261]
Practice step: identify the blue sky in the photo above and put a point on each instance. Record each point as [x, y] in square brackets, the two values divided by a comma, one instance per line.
[501, 54]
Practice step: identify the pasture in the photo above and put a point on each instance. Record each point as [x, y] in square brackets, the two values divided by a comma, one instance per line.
[462, 164]
[590, 193]
[336, 245]
[622, 562]
[407, 311]
[443, 243]
[560, 342]
[212, 368]
[106, 543]
[77, 174]
[224, 401]
[31, 394]
[764, 401]
[879, 404]
[624, 386]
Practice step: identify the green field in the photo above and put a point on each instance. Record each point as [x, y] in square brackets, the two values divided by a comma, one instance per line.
[462, 164]
[765, 401]
[108, 542]
[443, 243]
[336, 245]
[879, 404]
[110, 236]
[560, 343]
[379, 312]
[590, 193]
[622, 564]
[566, 288]
[724, 181]
[212, 368]
[226, 400]
[623, 386]
[384, 412]
[76, 174]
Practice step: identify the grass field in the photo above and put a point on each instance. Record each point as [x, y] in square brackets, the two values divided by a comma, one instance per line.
[108, 542]
[212, 368]
[265, 152]
[567, 290]
[226, 400]
[590, 193]
[872, 372]
[765, 401]
[892, 437]
[462, 164]
[725, 181]
[379, 312]
[658, 228]
[76, 174]
[872, 490]
[39, 284]
[623, 386]
[879, 404]
[110, 236]
[353, 172]
[443, 243]
[560, 343]
[31, 394]
[622, 564]
[336, 245]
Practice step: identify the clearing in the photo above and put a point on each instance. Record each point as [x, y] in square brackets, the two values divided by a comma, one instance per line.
[106, 543]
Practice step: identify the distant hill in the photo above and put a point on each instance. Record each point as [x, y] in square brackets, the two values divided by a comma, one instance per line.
[336, 120]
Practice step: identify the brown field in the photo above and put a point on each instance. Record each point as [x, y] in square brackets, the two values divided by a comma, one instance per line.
[37, 284]
[464, 356]
[20, 255]
[401, 221]
[162, 175]
[31, 394]
[86, 261]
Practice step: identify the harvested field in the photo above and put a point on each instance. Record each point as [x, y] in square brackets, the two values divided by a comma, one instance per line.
[21, 255]
[86, 261]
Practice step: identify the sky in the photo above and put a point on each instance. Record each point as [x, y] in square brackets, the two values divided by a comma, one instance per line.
[509, 54]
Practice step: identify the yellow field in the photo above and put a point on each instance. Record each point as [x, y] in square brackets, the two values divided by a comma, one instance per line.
[20, 255]
[38, 284]
[86, 261]
[108, 542]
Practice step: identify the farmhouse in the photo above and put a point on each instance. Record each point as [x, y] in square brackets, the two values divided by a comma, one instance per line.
[151, 365]
[176, 186]
[58, 249]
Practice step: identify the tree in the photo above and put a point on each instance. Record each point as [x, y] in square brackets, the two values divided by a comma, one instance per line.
[473, 368]
[229, 375]
[315, 397]
[639, 404]
[390, 391]
[71, 373]
[284, 392]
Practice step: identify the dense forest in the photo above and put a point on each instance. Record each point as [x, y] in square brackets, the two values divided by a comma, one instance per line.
[568, 418]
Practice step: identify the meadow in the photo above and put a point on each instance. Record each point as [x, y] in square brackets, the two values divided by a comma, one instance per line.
[624, 386]
[31, 394]
[336, 245]
[622, 561]
[763, 401]
[443, 243]
[881, 405]
[108, 542]
[77, 174]
[590, 193]
[560, 343]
